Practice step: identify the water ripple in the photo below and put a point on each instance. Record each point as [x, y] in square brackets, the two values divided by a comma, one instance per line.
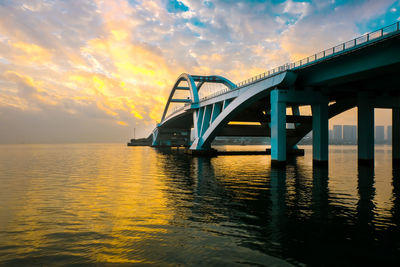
[98, 204]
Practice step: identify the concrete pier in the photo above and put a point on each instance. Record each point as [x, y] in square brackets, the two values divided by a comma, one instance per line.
[320, 133]
[365, 121]
[278, 129]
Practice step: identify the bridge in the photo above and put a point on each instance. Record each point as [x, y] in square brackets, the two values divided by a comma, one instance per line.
[363, 73]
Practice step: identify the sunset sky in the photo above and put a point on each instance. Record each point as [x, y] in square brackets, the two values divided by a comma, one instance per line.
[92, 71]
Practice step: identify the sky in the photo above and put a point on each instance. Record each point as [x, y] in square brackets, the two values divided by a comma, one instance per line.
[94, 70]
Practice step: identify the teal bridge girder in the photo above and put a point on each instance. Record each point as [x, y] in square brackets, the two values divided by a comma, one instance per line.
[363, 73]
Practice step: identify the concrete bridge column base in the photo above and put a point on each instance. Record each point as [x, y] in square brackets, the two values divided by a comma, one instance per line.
[365, 117]
[278, 129]
[396, 136]
[320, 163]
[202, 152]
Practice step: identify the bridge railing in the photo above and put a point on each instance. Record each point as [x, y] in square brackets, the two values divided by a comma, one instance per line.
[338, 49]
[366, 38]
[176, 110]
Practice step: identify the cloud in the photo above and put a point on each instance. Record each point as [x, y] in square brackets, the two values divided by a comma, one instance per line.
[31, 53]
[296, 8]
[29, 91]
[175, 6]
[104, 66]
[328, 26]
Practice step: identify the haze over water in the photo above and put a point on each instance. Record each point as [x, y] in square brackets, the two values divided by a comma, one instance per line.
[107, 203]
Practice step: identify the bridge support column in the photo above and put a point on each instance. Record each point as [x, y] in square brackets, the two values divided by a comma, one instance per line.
[278, 128]
[154, 136]
[206, 119]
[198, 121]
[202, 120]
[365, 117]
[320, 133]
[396, 136]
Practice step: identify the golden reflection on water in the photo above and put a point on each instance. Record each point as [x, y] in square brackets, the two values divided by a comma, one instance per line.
[60, 193]
[384, 187]
[108, 203]
[344, 178]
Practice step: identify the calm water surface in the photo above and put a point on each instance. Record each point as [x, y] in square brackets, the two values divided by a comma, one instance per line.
[111, 204]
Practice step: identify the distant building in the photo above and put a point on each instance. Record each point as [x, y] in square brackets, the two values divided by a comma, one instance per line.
[389, 134]
[349, 134]
[330, 136]
[379, 134]
[337, 133]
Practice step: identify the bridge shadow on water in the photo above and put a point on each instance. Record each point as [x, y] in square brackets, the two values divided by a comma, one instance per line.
[246, 207]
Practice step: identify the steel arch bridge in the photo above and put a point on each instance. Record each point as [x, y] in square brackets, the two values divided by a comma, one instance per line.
[362, 73]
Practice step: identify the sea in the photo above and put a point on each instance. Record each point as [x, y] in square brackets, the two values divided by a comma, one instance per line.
[109, 204]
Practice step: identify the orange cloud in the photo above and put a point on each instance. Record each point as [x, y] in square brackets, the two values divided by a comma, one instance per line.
[214, 57]
[30, 92]
[31, 53]
[122, 123]
[111, 94]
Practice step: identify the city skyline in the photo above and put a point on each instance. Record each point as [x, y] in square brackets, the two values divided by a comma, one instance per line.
[348, 134]
[92, 71]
